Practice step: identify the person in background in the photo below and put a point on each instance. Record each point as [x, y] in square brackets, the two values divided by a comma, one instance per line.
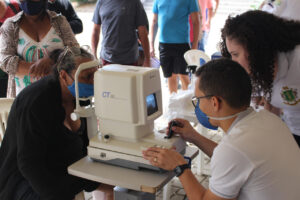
[288, 9]
[257, 157]
[119, 21]
[26, 40]
[7, 9]
[66, 9]
[271, 55]
[172, 20]
[40, 144]
[207, 12]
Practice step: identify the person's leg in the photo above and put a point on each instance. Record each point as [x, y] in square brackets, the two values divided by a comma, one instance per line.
[167, 62]
[180, 65]
[201, 42]
[185, 81]
[172, 83]
[104, 192]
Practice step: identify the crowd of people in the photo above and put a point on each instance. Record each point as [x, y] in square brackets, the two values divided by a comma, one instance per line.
[39, 55]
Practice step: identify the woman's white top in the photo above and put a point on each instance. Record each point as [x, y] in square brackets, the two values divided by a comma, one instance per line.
[286, 88]
[30, 50]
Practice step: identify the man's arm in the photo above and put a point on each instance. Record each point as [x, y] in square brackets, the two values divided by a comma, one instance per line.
[153, 31]
[95, 38]
[169, 159]
[73, 19]
[143, 35]
[196, 29]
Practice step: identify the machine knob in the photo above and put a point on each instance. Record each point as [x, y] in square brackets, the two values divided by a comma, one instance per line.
[74, 116]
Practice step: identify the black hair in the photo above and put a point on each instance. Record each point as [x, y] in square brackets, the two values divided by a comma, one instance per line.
[65, 59]
[263, 35]
[226, 79]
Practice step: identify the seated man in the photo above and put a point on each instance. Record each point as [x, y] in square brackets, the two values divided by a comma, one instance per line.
[41, 140]
[257, 157]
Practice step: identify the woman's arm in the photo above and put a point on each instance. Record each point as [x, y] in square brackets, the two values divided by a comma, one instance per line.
[9, 60]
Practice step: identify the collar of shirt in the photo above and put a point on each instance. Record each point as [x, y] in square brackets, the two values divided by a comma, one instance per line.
[242, 115]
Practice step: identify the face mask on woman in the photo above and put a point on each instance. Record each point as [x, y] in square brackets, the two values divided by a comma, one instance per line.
[33, 7]
[85, 90]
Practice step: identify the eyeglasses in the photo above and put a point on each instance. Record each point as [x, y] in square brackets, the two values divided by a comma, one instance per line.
[196, 100]
[61, 57]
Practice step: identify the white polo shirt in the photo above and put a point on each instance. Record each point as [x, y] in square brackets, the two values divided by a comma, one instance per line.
[286, 88]
[258, 159]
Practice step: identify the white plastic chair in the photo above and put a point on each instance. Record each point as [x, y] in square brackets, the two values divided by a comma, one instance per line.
[193, 56]
[5, 104]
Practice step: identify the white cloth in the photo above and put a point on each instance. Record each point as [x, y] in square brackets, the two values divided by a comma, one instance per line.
[288, 9]
[258, 159]
[286, 88]
[30, 51]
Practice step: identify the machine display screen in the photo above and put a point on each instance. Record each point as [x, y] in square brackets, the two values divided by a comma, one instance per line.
[151, 104]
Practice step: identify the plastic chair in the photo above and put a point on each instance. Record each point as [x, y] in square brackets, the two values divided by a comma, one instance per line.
[5, 104]
[193, 57]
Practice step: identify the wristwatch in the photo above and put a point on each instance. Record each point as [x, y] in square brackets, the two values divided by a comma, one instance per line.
[180, 169]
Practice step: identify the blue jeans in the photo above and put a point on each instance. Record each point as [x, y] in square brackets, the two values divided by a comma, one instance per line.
[202, 43]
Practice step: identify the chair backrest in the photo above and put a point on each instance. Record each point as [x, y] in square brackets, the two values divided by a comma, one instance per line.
[5, 104]
[193, 56]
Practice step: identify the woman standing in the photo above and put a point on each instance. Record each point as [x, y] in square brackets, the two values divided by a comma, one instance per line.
[268, 48]
[26, 40]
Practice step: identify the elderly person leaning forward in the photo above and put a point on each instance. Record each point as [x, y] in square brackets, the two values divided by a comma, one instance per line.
[257, 158]
[41, 140]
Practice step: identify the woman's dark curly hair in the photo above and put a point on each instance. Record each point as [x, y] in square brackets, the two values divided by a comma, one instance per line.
[263, 35]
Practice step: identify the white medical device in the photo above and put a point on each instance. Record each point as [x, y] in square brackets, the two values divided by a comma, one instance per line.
[127, 101]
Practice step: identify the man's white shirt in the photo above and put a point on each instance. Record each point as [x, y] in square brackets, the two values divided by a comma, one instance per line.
[257, 159]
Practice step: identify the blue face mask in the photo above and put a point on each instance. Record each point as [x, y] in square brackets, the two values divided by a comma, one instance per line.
[203, 119]
[33, 7]
[85, 90]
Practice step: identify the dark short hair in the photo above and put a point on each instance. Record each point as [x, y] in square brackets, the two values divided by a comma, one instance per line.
[226, 79]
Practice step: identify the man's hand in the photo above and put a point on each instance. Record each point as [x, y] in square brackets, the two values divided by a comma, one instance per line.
[166, 159]
[184, 129]
[41, 67]
[146, 62]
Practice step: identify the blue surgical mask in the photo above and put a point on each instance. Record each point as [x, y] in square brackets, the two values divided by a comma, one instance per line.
[33, 7]
[204, 119]
[85, 90]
